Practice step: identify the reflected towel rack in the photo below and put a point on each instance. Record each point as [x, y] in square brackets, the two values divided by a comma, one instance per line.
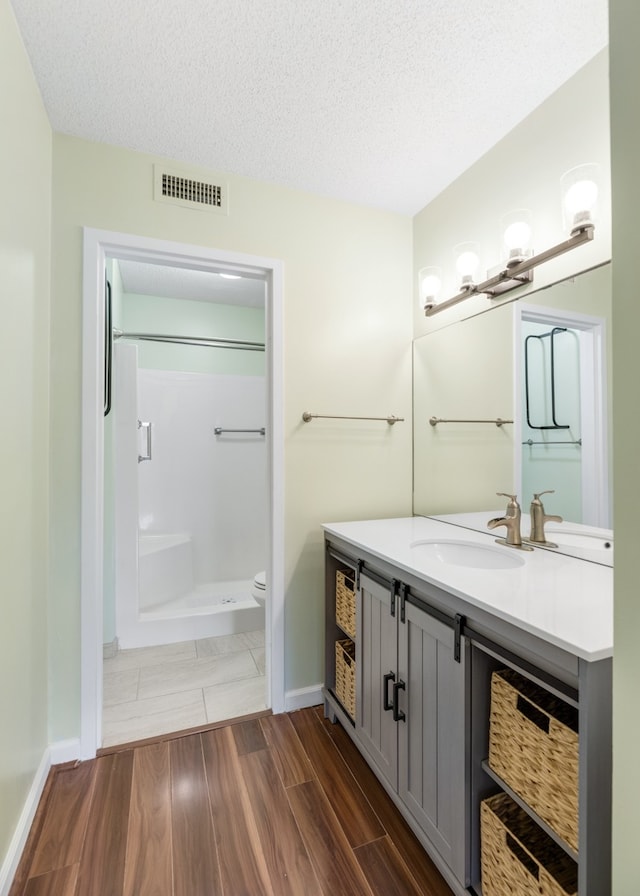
[391, 419]
[542, 442]
[497, 420]
[219, 430]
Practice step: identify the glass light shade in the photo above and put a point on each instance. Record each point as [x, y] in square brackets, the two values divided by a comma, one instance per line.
[579, 188]
[429, 283]
[467, 261]
[516, 231]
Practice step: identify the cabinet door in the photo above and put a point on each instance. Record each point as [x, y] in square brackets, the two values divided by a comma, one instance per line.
[432, 747]
[376, 657]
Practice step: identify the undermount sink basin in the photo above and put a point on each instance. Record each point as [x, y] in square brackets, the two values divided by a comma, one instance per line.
[465, 553]
[579, 540]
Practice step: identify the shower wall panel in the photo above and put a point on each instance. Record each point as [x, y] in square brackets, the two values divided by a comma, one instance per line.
[213, 487]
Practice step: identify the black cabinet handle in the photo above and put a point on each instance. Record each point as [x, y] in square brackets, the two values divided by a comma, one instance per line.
[398, 715]
[390, 676]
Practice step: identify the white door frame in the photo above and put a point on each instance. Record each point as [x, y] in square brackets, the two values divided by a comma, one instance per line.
[98, 246]
[596, 502]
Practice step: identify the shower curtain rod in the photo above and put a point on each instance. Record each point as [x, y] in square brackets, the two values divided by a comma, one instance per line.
[193, 340]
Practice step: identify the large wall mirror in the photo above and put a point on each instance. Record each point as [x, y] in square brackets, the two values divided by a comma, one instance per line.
[542, 362]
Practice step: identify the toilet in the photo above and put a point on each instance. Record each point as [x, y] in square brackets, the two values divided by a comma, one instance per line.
[259, 587]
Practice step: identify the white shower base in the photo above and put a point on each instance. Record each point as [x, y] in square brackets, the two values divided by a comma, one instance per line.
[171, 607]
[207, 611]
[215, 597]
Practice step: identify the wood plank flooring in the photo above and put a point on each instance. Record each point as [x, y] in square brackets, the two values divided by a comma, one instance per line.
[277, 806]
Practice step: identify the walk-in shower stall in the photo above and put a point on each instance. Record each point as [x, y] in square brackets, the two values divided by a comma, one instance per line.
[190, 498]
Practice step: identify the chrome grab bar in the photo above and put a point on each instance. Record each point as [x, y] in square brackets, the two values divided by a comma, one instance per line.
[219, 430]
[146, 426]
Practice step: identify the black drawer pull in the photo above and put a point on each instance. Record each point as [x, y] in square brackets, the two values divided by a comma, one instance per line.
[390, 676]
[398, 715]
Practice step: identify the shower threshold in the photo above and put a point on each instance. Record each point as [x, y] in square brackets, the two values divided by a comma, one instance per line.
[204, 600]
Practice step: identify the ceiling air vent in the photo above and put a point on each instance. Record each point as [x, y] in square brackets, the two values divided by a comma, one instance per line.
[181, 188]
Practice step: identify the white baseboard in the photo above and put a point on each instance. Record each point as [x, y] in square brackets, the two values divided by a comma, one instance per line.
[65, 751]
[303, 697]
[19, 839]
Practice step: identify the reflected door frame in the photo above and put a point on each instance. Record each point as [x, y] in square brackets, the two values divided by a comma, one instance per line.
[596, 492]
[98, 245]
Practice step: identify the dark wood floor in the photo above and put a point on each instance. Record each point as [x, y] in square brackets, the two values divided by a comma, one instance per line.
[282, 806]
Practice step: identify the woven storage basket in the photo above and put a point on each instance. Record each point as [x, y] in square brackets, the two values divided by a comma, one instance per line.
[518, 858]
[346, 601]
[346, 675]
[533, 746]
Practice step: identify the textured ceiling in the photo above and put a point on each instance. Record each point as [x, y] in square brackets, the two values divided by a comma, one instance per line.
[182, 283]
[380, 102]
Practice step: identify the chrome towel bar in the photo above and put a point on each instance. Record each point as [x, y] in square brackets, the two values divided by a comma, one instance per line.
[498, 421]
[542, 442]
[391, 419]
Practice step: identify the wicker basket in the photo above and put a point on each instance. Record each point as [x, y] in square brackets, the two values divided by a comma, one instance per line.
[533, 747]
[346, 601]
[518, 857]
[346, 675]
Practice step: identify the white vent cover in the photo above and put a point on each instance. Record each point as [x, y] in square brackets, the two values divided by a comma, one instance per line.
[180, 187]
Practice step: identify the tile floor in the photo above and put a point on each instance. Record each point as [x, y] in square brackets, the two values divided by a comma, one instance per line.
[155, 690]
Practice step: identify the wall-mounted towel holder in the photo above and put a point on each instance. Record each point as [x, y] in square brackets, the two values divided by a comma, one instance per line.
[391, 419]
[497, 420]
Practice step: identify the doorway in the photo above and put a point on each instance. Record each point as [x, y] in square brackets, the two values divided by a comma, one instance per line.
[99, 248]
[561, 442]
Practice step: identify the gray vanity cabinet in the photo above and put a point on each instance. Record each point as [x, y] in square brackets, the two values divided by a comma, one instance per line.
[424, 664]
[432, 754]
[410, 710]
[376, 663]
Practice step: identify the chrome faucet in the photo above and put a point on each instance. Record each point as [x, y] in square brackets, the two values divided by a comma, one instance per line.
[511, 520]
[539, 518]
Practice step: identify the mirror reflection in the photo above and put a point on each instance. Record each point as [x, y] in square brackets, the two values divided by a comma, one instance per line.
[541, 363]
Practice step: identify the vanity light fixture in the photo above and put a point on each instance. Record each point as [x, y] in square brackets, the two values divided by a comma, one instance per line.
[579, 188]
[516, 230]
[579, 197]
[429, 284]
[467, 263]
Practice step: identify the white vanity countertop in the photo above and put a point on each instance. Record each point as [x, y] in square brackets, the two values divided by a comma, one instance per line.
[563, 600]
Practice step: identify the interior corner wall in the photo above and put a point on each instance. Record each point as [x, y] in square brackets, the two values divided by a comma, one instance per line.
[522, 170]
[624, 25]
[25, 230]
[347, 334]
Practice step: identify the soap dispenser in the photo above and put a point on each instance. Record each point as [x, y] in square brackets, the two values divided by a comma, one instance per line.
[539, 518]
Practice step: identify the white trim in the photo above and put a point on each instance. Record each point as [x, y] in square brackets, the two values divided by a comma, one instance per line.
[98, 245]
[595, 450]
[301, 698]
[64, 751]
[21, 832]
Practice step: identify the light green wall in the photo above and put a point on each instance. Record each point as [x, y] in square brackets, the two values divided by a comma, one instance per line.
[25, 227]
[347, 323]
[182, 317]
[625, 141]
